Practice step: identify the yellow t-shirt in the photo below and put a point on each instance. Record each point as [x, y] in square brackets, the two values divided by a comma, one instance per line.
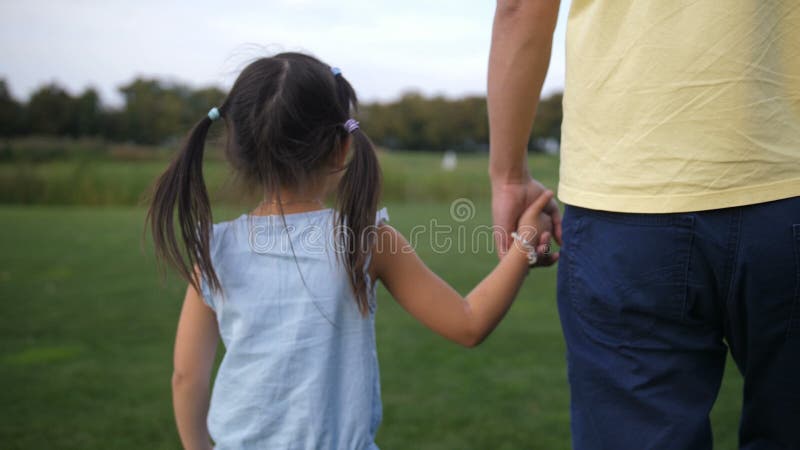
[678, 105]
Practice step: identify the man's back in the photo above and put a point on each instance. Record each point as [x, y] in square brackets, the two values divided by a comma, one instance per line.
[675, 106]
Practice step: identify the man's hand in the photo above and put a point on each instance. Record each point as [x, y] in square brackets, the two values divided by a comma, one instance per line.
[509, 201]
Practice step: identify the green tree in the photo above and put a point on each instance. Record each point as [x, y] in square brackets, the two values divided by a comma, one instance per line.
[88, 113]
[51, 112]
[155, 111]
[548, 119]
[199, 101]
[10, 112]
[152, 111]
[415, 122]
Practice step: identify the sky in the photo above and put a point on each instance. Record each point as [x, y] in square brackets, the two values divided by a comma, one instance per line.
[384, 48]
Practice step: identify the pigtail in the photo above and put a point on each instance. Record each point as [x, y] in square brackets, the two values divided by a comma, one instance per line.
[359, 189]
[357, 199]
[182, 186]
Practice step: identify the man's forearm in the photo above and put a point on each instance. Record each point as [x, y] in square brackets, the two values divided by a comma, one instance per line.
[522, 38]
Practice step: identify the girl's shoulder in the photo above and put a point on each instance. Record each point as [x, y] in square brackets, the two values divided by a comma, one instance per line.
[220, 229]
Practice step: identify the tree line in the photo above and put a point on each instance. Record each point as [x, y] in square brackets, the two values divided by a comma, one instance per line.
[157, 112]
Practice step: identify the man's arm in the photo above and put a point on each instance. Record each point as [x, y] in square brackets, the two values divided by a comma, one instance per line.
[522, 38]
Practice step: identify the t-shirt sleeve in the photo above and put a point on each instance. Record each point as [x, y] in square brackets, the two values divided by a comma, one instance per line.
[207, 293]
[381, 216]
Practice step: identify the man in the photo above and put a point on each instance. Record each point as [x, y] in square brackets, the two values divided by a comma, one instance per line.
[680, 172]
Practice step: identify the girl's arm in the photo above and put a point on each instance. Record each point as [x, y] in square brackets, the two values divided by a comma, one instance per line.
[195, 350]
[467, 321]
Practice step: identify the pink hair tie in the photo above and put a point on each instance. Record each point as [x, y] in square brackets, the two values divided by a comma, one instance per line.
[351, 125]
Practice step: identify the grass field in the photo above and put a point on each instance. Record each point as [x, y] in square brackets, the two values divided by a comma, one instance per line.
[407, 177]
[123, 178]
[87, 329]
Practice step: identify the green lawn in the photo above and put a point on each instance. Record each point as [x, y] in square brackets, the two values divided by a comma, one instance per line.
[87, 330]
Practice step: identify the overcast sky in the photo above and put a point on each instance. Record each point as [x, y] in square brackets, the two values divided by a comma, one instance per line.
[383, 47]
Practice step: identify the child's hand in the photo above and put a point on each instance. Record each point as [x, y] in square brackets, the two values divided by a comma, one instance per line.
[530, 227]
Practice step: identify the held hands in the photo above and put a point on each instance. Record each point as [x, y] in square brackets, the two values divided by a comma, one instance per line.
[529, 235]
[528, 207]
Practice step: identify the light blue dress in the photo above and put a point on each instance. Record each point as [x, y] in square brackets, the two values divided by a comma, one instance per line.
[300, 369]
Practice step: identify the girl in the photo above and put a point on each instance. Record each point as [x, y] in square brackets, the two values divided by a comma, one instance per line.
[289, 287]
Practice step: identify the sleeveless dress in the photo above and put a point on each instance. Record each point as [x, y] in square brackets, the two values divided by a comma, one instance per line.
[300, 369]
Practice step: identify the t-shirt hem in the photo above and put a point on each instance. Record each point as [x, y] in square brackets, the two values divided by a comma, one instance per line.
[672, 203]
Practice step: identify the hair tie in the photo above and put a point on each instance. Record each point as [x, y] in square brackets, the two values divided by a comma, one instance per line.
[213, 114]
[336, 71]
[351, 125]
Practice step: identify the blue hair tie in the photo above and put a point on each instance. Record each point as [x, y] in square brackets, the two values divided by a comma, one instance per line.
[336, 71]
[213, 114]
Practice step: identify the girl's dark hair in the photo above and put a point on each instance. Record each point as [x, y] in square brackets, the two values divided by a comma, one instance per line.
[285, 118]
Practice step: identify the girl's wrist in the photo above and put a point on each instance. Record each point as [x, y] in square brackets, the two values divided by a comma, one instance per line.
[525, 248]
[519, 255]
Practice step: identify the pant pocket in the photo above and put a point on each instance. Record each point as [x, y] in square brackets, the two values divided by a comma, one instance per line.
[628, 272]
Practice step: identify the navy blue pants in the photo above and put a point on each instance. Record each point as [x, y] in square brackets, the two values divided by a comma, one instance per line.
[651, 303]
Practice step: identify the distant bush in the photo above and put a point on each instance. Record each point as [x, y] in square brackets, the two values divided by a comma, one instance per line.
[124, 174]
[39, 149]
